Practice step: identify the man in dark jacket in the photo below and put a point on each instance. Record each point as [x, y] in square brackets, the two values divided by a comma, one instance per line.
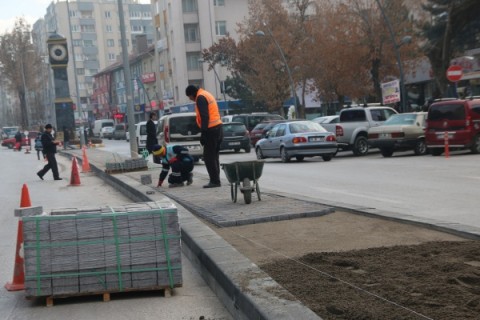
[151, 132]
[210, 123]
[49, 149]
[18, 140]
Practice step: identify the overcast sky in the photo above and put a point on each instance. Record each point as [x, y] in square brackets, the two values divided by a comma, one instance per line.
[31, 10]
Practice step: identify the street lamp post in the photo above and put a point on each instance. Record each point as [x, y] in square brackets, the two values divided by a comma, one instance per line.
[219, 82]
[289, 72]
[406, 39]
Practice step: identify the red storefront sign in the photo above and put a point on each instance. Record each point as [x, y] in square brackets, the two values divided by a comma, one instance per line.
[148, 77]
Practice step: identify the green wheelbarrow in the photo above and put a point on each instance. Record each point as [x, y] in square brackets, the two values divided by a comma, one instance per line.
[244, 175]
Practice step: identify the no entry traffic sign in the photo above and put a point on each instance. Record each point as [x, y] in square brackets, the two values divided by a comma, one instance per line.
[454, 73]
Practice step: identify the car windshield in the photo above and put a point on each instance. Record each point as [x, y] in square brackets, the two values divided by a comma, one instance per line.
[401, 119]
[447, 111]
[305, 126]
[234, 127]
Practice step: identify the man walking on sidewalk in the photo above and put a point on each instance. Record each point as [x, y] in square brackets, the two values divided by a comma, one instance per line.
[210, 124]
[49, 149]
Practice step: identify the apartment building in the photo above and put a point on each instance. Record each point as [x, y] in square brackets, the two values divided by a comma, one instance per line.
[92, 29]
[183, 28]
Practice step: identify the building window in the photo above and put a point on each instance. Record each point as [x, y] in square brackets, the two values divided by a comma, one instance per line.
[108, 28]
[189, 5]
[88, 43]
[75, 28]
[86, 14]
[73, 13]
[192, 61]
[147, 14]
[135, 14]
[112, 57]
[110, 43]
[77, 43]
[78, 57]
[221, 28]
[87, 28]
[138, 29]
[219, 3]
[91, 72]
[191, 32]
[108, 14]
[80, 71]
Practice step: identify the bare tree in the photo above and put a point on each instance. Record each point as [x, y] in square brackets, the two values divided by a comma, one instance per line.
[20, 64]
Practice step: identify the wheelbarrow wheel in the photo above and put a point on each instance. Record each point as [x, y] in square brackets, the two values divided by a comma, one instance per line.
[247, 191]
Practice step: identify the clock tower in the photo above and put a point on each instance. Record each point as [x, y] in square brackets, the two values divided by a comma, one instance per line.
[58, 58]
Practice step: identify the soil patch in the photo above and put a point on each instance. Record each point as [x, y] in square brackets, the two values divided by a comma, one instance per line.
[347, 266]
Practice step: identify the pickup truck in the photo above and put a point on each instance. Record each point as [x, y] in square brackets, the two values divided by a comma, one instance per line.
[352, 130]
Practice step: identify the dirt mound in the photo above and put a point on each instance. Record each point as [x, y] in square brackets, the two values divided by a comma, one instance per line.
[435, 280]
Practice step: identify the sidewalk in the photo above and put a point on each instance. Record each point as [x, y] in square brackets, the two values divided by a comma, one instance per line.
[245, 290]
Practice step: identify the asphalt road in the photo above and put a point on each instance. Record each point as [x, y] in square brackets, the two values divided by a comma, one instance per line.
[444, 189]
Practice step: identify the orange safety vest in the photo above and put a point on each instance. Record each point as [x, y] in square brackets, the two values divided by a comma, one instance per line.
[213, 113]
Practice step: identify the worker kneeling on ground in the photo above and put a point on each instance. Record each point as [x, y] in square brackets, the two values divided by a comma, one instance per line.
[177, 158]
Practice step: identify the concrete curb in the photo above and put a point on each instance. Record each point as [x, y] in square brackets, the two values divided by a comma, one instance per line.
[243, 288]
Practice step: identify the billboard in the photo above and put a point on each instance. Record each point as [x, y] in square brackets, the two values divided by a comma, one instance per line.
[390, 92]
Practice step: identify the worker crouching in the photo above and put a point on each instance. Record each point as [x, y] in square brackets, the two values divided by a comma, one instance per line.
[179, 160]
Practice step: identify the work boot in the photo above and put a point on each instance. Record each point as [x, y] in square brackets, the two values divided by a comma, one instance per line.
[212, 185]
[39, 175]
[190, 179]
[175, 185]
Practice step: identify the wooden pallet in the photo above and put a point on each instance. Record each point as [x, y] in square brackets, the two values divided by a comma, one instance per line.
[167, 292]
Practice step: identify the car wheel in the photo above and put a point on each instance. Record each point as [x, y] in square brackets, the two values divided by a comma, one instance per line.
[10, 146]
[436, 151]
[248, 149]
[327, 158]
[284, 155]
[420, 148]
[259, 153]
[360, 146]
[386, 152]
[236, 150]
[476, 145]
[299, 158]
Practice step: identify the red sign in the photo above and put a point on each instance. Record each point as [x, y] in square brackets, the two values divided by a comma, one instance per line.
[148, 77]
[454, 73]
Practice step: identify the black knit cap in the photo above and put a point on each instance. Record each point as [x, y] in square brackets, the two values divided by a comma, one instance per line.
[191, 91]
[48, 126]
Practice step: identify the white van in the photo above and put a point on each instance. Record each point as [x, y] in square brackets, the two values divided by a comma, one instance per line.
[181, 129]
[102, 123]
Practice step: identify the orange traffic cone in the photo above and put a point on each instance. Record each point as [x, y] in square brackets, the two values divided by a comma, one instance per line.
[75, 177]
[18, 282]
[85, 163]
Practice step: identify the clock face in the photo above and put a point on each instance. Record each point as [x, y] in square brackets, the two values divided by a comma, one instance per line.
[58, 52]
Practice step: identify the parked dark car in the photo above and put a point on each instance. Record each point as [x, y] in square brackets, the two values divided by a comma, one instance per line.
[251, 120]
[261, 130]
[120, 131]
[236, 137]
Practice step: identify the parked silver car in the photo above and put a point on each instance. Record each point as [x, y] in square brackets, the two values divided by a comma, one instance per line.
[297, 139]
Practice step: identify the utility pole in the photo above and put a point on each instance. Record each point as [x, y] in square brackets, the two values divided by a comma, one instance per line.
[128, 84]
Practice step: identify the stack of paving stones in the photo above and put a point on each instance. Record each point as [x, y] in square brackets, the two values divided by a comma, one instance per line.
[126, 165]
[102, 249]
